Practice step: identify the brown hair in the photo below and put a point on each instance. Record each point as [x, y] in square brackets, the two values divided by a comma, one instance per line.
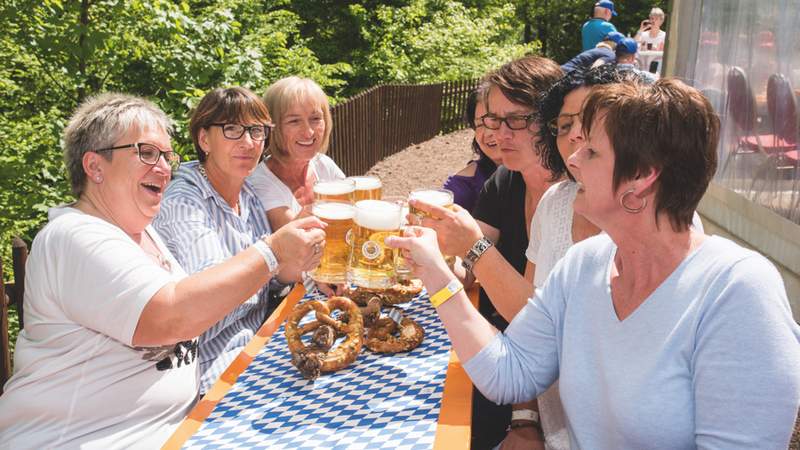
[226, 105]
[522, 80]
[285, 93]
[667, 126]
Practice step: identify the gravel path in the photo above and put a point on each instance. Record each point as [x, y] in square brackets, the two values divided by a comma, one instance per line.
[427, 164]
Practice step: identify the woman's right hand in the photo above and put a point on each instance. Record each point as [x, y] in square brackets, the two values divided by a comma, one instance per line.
[298, 247]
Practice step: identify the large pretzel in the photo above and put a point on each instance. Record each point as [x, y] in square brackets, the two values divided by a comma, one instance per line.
[318, 357]
[381, 336]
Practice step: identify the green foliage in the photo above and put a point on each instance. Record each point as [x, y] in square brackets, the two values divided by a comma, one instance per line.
[56, 53]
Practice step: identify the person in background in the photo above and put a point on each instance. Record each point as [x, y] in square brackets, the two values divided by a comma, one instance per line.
[661, 336]
[626, 59]
[650, 35]
[467, 183]
[503, 212]
[598, 27]
[603, 53]
[210, 213]
[284, 181]
[108, 356]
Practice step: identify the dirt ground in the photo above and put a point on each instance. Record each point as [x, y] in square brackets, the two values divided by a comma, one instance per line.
[426, 164]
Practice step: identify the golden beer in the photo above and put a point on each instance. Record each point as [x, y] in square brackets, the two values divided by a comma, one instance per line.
[367, 188]
[372, 263]
[438, 197]
[340, 190]
[336, 253]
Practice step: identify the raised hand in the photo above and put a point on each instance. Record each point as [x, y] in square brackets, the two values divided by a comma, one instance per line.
[456, 229]
[298, 247]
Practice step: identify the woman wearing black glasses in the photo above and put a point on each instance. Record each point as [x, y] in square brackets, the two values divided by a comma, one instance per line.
[108, 356]
[210, 212]
[285, 180]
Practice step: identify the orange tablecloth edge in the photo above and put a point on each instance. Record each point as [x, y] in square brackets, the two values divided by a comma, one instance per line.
[201, 411]
[455, 417]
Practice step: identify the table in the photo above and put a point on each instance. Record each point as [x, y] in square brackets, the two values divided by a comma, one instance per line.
[645, 57]
[421, 399]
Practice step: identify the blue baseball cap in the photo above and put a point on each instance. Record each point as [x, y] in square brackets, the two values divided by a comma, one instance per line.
[615, 37]
[607, 4]
[627, 45]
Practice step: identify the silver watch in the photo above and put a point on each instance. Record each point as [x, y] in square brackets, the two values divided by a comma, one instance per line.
[478, 248]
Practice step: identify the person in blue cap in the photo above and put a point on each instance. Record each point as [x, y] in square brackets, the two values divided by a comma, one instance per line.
[596, 28]
[626, 58]
[603, 52]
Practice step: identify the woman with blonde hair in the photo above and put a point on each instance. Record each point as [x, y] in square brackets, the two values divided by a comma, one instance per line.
[650, 35]
[296, 159]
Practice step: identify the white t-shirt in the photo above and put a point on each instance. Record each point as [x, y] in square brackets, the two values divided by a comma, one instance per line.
[645, 39]
[78, 382]
[273, 193]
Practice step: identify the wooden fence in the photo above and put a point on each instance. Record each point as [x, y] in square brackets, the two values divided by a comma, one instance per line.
[388, 118]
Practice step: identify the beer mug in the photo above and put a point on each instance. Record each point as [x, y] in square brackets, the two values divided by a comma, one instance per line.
[367, 188]
[372, 263]
[438, 197]
[402, 267]
[336, 253]
[337, 190]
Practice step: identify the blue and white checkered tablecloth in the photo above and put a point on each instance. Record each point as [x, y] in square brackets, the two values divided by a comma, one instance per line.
[378, 402]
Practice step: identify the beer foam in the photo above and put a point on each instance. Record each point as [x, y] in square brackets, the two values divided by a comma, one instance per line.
[338, 187]
[333, 210]
[366, 183]
[378, 215]
[433, 197]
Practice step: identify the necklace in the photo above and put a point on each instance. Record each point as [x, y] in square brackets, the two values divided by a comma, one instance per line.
[202, 169]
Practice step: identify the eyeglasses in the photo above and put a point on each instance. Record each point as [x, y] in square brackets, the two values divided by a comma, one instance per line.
[519, 122]
[149, 154]
[562, 124]
[234, 131]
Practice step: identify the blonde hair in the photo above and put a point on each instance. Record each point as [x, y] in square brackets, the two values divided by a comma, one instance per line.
[658, 12]
[281, 96]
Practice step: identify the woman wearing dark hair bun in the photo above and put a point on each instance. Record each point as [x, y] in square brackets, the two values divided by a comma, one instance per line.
[467, 183]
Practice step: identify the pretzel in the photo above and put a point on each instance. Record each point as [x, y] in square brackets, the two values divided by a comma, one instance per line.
[381, 338]
[318, 356]
[402, 292]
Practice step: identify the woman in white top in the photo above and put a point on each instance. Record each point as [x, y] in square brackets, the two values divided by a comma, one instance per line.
[650, 35]
[108, 355]
[284, 182]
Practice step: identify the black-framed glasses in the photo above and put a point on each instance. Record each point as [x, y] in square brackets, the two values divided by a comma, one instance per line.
[148, 154]
[516, 122]
[562, 124]
[234, 131]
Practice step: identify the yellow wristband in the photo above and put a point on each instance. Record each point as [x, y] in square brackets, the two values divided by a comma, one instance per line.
[446, 293]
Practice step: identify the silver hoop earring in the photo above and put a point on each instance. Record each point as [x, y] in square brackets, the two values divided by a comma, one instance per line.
[627, 208]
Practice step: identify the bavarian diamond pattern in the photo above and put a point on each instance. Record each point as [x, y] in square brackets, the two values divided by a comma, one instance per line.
[378, 402]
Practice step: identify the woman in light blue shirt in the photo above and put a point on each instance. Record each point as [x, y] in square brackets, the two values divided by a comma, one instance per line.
[661, 336]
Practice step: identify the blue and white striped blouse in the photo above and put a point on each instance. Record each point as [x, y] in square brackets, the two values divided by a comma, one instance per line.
[201, 230]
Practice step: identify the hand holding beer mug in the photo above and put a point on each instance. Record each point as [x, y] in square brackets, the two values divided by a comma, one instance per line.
[372, 264]
[338, 215]
[439, 197]
[402, 266]
[367, 188]
[455, 228]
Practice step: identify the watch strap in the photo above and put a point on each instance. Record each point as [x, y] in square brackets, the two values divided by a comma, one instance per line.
[478, 249]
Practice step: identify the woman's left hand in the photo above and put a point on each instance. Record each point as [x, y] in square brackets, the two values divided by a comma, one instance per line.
[420, 248]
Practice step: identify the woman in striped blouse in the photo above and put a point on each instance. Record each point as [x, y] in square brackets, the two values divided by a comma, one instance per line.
[210, 213]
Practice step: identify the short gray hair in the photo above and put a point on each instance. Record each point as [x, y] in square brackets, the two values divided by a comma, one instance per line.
[100, 121]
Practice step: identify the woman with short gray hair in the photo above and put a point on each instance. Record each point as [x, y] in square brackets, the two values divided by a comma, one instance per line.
[107, 358]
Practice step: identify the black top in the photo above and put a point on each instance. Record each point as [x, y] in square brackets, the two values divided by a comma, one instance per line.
[501, 204]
